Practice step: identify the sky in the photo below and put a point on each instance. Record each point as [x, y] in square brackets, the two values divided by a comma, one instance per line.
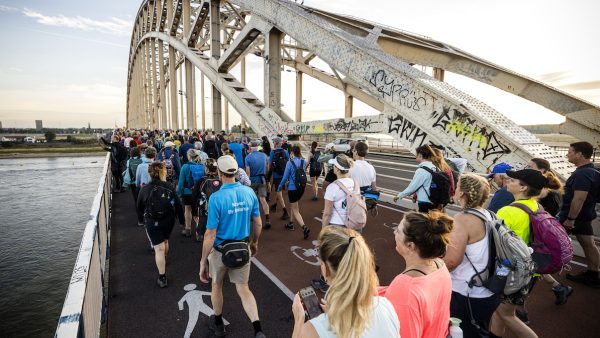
[65, 62]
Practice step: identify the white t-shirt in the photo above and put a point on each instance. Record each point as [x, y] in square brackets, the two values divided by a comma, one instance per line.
[335, 194]
[363, 172]
[384, 322]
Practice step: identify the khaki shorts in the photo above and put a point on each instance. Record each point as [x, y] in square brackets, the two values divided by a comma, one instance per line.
[217, 270]
[260, 189]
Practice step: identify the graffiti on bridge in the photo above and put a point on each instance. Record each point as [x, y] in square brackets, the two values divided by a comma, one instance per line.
[406, 130]
[358, 125]
[470, 132]
[403, 93]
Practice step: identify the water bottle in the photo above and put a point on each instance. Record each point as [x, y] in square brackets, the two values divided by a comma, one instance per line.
[497, 281]
[454, 331]
[503, 269]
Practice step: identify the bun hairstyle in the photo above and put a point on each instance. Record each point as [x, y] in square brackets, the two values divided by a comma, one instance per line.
[429, 232]
[225, 149]
[475, 188]
[426, 152]
[350, 262]
[552, 182]
[155, 169]
[313, 146]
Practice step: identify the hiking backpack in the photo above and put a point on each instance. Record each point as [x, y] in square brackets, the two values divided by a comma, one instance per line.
[207, 188]
[196, 174]
[211, 149]
[299, 174]
[170, 167]
[439, 190]
[160, 202]
[552, 248]
[503, 244]
[315, 165]
[356, 208]
[133, 165]
[279, 161]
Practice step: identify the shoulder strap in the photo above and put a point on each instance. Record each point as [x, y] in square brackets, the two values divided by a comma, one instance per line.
[343, 187]
[417, 270]
[524, 208]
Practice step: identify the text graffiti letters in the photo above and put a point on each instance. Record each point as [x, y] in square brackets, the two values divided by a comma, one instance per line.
[403, 93]
[406, 130]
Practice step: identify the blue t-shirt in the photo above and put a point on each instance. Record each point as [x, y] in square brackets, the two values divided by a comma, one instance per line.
[584, 178]
[501, 199]
[257, 162]
[238, 150]
[230, 211]
[272, 157]
[290, 173]
[183, 149]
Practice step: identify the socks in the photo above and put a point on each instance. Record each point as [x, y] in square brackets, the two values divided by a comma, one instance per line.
[219, 319]
[256, 326]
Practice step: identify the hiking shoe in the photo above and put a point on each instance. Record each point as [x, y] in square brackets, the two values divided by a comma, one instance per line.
[585, 278]
[273, 208]
[186, 232]
[523, 315]
[219, 330]
[260, 335]
[562, 292]
[162, 281]
[267, 225]
[320, 284]
[305, 231]
[285, 215]
[289, 226]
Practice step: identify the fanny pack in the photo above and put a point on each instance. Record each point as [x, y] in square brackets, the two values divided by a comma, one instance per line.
[234, 253]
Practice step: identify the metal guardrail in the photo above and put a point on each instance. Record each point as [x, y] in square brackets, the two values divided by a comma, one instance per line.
[84, 309]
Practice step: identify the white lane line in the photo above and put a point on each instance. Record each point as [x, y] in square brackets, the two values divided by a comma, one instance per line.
[273, 278]
[395, 163]
[408, 171]
[396, 177]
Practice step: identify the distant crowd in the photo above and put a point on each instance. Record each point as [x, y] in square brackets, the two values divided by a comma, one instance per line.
[478, 266]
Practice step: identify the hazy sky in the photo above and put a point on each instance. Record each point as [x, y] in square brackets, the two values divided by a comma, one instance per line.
[65, 62]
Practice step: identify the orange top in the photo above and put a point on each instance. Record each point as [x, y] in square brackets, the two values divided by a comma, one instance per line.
[421, 303]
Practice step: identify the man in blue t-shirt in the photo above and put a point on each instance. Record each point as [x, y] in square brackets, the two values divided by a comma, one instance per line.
[230, 211]
[257, 163]
[579, 209]
[238, 150]
[183, 149]
[277, 162]
[501, 197]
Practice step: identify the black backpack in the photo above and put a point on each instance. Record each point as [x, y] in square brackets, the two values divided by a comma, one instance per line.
[208, 186]
[211, 149]
[315, 166]
[439, 191]
[299, 174]
[279, 161]
[160, 203]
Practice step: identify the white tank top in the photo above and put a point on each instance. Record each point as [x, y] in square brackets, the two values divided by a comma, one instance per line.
[478, 253]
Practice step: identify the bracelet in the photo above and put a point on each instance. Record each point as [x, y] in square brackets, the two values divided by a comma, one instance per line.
[570, 219]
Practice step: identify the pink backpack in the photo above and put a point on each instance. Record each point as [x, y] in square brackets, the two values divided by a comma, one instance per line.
[356, 207]
[552, 248]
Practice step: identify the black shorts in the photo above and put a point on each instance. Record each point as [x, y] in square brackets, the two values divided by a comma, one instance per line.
[158, 231]
[314, 173]
[583, 228]
[295, 195]
[187, 200]
[481, 312]
[276, 182]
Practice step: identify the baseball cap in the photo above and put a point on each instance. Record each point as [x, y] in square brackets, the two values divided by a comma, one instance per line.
[254, 144]
[276, 140]
[500, 168]
[169, 144]
[531, 177]
[227, 164]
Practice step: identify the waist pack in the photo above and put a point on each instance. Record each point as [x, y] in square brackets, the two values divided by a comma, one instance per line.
[234, 253]
[371, 198]
[552, 248]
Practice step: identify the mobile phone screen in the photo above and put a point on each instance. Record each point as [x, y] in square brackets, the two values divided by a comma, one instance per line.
[310, 302]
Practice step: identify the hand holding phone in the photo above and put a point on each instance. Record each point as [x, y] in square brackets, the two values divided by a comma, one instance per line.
[310, 302]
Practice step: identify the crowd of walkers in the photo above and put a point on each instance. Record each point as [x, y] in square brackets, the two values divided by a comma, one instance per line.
[219, 187]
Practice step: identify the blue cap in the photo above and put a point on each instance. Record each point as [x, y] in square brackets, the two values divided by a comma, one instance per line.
[500, 168]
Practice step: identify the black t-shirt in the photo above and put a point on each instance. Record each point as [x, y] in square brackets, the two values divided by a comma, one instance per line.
[551, 203]
[584, 178]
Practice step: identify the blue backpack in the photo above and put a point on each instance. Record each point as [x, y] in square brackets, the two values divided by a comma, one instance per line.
[196, 174]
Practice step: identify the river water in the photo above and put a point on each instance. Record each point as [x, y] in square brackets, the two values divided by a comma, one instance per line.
[44, 205]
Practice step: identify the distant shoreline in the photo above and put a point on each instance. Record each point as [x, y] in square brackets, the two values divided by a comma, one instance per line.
[38, 155]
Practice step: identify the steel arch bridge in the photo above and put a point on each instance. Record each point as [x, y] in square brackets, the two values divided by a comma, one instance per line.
[370, 62]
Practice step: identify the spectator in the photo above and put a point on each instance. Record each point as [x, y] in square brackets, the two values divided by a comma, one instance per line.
[421, 293]
[118, 155]
[468, 254]
[295, 189]
[353, 309]
[501, 197]
[578, 209]
[256, 167]
[421, 181]
[362, 171]
[159, 204]
[226, 222]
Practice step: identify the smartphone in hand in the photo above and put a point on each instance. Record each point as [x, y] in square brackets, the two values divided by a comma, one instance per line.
[310, 302]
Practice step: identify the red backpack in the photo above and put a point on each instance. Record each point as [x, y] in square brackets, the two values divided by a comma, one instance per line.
[552, 248]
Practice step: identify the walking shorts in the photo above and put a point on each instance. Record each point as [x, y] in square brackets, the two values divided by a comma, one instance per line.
[217, 270]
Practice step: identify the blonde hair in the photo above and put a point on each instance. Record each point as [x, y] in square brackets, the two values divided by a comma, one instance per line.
[475, 188]
[439, 161]
[345, 162]
[349, 260]
[156, 169]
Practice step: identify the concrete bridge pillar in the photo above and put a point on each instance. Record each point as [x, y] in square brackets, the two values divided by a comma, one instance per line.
[163, 99]
[173, 88]
[298, 96]
[272, 70]
[348, 106]
[215, 52]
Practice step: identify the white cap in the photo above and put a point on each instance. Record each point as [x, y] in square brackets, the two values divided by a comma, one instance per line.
[169, 144]
[227, 164]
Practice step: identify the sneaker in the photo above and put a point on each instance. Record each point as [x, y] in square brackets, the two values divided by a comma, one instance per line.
[320, 284]
[305, 231]
[162, 281]
[289, 226]
[219, 330]
[140, 224]
[585, 278]
[186, 232]
[562, 292]
[523, 315]
[285, 215]
[267, 225]
[260, 335]
[273, 208]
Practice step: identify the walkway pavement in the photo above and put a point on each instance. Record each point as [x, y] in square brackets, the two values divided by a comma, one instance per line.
[138, 308]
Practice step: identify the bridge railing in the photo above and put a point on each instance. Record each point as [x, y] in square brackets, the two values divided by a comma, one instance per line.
[84, 309]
